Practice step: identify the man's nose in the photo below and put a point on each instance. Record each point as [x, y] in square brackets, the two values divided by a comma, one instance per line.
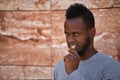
[70, 39]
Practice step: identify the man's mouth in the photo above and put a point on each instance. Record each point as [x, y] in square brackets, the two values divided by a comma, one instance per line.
[73, 46]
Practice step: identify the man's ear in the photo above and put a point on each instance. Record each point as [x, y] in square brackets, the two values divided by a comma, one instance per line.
[92, 32]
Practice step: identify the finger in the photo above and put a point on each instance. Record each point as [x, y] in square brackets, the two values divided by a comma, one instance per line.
[72, 55]
[73, 52]
[68, 57]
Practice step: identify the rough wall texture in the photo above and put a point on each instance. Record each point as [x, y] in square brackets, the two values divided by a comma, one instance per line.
[32, 39]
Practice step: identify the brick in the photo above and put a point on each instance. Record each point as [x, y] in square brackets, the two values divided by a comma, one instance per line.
[53, 73]
[58, 54]
[25, 56]
[107, 20]
[12, 42]
[25, 34]
[116, 3]
[11, 73]
[93, 4]
[25, 29]
[26, 25]
[35, 73]
[58, 18]
[25, 5]
[108, 43]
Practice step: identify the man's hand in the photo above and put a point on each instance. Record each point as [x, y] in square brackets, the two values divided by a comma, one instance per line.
[71, 61]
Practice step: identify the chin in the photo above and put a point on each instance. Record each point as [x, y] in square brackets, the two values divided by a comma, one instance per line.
[80, 52]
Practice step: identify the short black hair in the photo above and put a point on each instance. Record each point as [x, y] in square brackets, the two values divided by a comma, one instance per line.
[80, 10]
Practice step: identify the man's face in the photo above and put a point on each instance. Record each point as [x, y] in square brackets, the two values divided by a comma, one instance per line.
[77, 34]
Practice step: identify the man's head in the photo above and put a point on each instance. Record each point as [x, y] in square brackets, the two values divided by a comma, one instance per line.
[79, 27]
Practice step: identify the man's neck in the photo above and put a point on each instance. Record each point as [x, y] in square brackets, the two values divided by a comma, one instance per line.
[89, 52]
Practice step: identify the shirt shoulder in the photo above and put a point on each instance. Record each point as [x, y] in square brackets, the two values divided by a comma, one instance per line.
[59, 65]
[107, 59]
[110, 64]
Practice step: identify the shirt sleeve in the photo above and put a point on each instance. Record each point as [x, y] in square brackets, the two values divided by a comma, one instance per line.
[112, 72]
[55, 75]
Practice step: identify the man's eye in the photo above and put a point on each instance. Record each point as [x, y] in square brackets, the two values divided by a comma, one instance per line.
[76, 34]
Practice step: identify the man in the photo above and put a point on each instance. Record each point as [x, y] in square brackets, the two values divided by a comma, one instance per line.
[83, 61]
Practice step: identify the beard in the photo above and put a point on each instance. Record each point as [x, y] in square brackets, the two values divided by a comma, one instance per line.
[84, 47]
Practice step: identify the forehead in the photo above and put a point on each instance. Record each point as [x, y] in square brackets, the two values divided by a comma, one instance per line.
[76, 24]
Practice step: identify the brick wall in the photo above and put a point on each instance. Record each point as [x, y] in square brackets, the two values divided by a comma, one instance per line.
[32, 39]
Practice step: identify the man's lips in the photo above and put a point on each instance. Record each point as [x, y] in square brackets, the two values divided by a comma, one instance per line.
[73, 46]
